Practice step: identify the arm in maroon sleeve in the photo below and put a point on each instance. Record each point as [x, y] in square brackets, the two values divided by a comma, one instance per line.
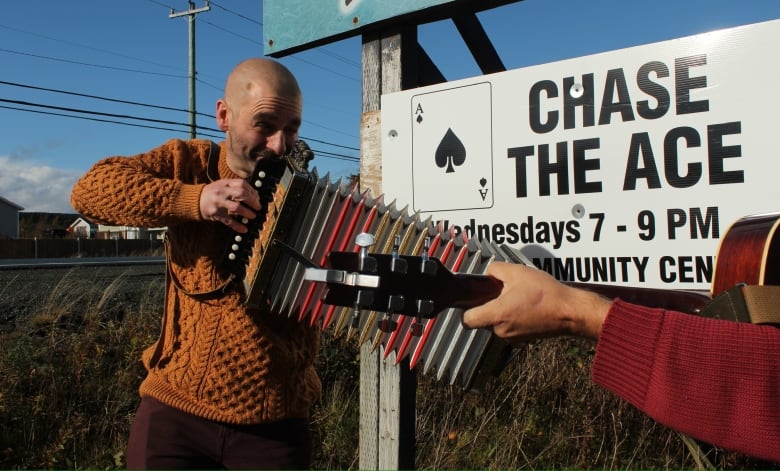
[717, 381]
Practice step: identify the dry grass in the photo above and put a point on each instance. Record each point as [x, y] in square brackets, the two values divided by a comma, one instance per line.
[70, 368]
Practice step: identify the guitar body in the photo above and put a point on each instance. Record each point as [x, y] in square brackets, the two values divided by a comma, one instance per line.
[748, 253]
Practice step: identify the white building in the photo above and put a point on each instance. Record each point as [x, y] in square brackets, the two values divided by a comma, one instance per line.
[82, 229]
[128, 232]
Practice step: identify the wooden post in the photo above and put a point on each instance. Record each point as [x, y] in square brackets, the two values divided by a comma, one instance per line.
[387, 391]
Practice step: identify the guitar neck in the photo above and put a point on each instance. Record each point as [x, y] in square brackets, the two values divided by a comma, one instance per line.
[470, 290]
[677, 300]
[425, 290]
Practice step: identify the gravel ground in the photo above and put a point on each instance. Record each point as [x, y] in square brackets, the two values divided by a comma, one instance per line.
[26, 291]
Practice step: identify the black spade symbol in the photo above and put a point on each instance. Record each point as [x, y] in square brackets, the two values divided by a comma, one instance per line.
[450, 152]
[482, 182]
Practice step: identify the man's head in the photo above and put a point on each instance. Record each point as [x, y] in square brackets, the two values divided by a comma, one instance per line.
[260, 113]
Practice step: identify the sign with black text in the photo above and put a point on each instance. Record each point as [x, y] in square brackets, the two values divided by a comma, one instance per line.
[623, 167]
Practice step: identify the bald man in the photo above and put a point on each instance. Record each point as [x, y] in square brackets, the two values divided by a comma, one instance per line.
[226, 386]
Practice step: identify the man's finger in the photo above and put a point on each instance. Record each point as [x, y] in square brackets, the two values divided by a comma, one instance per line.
[231, 223]
[474, 318]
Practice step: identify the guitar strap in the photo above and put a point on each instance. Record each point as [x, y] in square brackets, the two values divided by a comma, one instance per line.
[759, 304]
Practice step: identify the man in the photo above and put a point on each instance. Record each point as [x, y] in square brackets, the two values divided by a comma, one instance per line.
[715, 380]
[226, 386]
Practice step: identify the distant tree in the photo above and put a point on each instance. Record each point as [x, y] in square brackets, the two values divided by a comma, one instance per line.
[44, 225]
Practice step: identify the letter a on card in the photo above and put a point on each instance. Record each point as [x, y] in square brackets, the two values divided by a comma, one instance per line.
[452, 149]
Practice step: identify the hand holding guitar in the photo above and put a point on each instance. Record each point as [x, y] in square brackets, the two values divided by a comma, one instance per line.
[533, 304]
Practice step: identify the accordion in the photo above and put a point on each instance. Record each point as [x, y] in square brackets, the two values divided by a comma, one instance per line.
[327, 254]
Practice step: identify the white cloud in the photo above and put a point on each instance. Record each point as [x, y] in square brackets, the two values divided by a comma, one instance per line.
[37, 187]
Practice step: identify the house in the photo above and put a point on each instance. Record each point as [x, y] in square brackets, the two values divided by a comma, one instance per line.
[82, 229]
[128, 232]
[9, 219]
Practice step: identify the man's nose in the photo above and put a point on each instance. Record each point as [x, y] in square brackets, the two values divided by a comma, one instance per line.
[276, 142]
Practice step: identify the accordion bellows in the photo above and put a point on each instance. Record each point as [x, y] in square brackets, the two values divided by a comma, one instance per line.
[315, 217]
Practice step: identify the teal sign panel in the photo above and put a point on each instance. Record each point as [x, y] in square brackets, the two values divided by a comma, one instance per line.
[289, 25]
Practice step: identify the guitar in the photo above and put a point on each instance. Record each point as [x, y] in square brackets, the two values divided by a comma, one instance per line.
[422, 287]
[748, 253]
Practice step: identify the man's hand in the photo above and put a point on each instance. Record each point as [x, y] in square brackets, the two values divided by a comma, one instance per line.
[228, 201]
[533, 304]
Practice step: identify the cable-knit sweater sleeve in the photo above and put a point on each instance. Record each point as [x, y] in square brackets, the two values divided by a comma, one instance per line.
[715, 380]
[146, 190]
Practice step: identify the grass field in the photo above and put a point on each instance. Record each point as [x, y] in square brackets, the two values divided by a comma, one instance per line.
[70, 347]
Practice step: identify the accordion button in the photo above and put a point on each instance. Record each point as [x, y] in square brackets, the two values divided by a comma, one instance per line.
[261, 174]
[234, 247]
[258, 184]
[238, 238]
[244, 220]
[231, 256]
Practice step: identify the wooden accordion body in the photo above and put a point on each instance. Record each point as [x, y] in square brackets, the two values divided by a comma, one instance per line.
[315, 216]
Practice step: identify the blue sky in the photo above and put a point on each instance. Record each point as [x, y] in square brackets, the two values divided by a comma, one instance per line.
[52, 53]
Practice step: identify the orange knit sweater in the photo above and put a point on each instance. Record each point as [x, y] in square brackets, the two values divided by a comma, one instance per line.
[214, 358]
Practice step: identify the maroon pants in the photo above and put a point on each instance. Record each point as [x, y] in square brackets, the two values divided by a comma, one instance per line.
[165, 438]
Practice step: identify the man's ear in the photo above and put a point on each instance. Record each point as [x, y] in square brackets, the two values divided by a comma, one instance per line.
[223, 115]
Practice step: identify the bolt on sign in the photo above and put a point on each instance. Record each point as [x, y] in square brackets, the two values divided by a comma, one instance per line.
[625, 167]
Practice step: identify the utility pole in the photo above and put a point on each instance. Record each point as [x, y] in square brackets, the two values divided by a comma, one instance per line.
[191, 14]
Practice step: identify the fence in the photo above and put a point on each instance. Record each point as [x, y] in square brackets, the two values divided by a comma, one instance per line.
[66, 248]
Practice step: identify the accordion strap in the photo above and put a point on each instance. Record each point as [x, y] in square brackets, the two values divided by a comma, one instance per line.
[199, 295]
[758, 304]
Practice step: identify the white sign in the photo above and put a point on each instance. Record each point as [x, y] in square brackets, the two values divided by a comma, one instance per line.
[625, 167]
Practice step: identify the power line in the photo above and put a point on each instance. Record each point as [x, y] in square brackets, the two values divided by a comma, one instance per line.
[124, 101]
[160, 4]
[168, 108]
[323, 153]
[339, 57]
[65, 41]
[309, 123]
[334, 155]
[293, 57]
[88, 118]
[114, 100]
[233, 33]
[99, 113]
[237, 14]
[121, 69]
[258, 43]
[320, 50]
[330, 143]
[134, 103]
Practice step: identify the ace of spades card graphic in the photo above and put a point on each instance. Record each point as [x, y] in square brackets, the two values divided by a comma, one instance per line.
[452, 150]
